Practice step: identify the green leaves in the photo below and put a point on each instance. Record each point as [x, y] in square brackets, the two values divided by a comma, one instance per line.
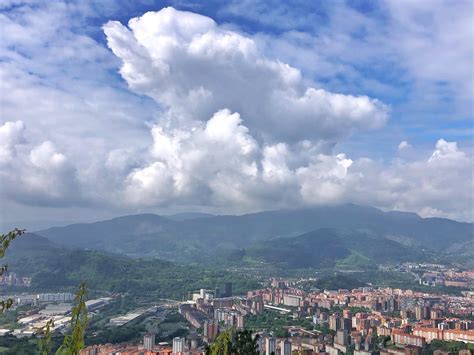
[45, 344]
[231, 342]
[4, 305]
[245, 343]
[5, 240]
[74, 342]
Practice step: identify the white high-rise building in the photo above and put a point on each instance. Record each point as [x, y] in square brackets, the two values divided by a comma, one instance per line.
[270, 346]
[149, 341]
[178, 345]
[285, 346]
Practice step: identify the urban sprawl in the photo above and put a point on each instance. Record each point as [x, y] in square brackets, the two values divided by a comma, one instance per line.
[360, 321]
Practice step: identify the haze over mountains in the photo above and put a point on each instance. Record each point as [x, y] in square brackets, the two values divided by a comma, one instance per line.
[362, 234]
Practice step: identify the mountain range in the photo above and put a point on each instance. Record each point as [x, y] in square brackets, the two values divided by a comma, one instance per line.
[339, 233]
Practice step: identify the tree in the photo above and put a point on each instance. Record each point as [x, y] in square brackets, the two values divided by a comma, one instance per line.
[222, 345]
[231, 342]
[245, 343]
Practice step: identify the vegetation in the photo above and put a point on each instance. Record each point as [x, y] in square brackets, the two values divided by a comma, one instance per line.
[275, 322]
[5, 240]
[11, 345]
[355, 260]
[401, 280]
[333, 247]
[200, 240]
[45, 344]
[338, 281]
[234, 342]
[324, 328]
[74, 341]
[168, 325]
[53, 267]
[452, 346]
[114, 335]
[9, 319]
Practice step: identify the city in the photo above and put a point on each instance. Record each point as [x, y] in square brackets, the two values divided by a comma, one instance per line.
[284, 316]
[239, 177]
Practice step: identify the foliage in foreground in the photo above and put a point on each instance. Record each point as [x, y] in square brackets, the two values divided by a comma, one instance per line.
[5, 240]
[74, 341]
[234, 342]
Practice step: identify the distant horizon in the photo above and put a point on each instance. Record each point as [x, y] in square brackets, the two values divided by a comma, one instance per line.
[33, 225]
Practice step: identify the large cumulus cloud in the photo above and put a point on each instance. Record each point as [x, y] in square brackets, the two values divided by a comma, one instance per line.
[241, 131]
[227, 129]
[220, 164]
[194, 67]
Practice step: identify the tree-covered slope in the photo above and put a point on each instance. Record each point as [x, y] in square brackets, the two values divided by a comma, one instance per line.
[197, 239]
[332, 247]
[54, 267]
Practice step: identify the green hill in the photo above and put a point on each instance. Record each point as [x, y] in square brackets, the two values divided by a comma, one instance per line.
[333, 247]
[54, 267]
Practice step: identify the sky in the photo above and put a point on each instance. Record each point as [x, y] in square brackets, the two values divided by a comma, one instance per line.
[117, 107]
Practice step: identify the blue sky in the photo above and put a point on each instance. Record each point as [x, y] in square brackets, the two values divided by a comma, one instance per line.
[422, 121]
[87, 132]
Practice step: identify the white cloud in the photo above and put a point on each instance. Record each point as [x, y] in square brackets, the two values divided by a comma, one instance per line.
[35, 174]
[194, 67]
[188, 165]
[404, 145]
[325, 180]
[238, 131]
[435, 40]
[45, 156]
[420, 51]
[11, 134]
[220, 164]
[447, 152]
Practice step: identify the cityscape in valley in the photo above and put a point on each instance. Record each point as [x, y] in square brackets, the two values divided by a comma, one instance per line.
[285, 316]
[241, 177]
[358, 303]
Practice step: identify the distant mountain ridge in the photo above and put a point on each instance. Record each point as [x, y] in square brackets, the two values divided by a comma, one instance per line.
[188, 216]
[195, 237]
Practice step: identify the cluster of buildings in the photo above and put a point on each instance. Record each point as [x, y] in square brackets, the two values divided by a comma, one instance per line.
[48, 306]
[361, 321]
[37, 299]
[179, 346]
[13, 279]
[133, 316]
[439, 275]
[407, 320]
[209, 311]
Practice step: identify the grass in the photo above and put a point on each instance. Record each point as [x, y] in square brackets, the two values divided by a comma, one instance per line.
[355, 260]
